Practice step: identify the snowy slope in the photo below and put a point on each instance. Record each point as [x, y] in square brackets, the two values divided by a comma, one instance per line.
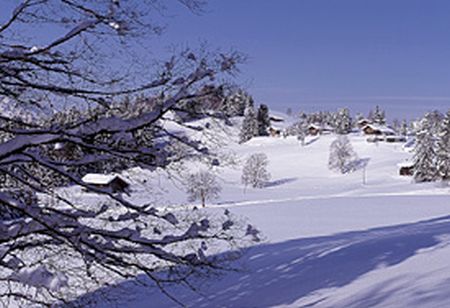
[397, 266]
[331, 241]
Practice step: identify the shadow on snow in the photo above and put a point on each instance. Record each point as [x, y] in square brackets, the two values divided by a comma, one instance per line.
[281, 273]
[280, 182]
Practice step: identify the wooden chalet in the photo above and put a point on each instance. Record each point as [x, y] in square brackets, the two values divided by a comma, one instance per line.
[112, 181]
[373, 129]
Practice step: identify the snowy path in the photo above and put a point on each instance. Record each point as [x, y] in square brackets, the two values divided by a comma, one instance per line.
[332, 196]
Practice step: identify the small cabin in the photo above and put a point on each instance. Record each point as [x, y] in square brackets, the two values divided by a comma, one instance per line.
[406, 168]
[112, 181]
[314, 129]
[274, 132]
[372, 129]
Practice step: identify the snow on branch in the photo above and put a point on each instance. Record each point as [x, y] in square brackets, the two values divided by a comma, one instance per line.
[53, 246]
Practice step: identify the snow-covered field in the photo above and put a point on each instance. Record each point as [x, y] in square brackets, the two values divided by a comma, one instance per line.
[331, 240]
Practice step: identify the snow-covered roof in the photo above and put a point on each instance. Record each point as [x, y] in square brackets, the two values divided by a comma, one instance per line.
[59, 146]
[314, 126]
[406, 164]
[382, 128]
[100, 179]
[276, 118]
[327, 127]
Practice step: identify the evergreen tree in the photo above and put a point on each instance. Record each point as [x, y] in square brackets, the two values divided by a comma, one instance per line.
[289, 111]
[425, 154]
[302, 116]
[249, 127]
[370, 115]
[435, 119]
[263, 120]
[343, 124]
[404, 128]
[359, 116]
[235, 104]
[443, 150]
[413, 127]
[396, 125]
[378, 116]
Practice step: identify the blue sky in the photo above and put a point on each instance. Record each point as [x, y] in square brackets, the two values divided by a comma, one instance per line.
[324, 54]
[320, 54]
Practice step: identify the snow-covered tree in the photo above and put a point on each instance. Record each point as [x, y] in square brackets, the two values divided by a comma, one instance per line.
[198, 107]
[443, 150]
[378, 116]
[342, 155]
[425, 153]
[249, 127]
[434, 119]
[301, 136]
[301, 131]
[236, 103]
[263, 120]
[302, 116]
[359, 116]
[404, 128]
[289, 111]
[255, 171]
[370, 115]
[62, 247]
[396, 125]
[203, 186]
[343, 122]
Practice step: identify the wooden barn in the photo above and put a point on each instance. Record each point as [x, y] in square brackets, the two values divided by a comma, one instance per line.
[112, 181]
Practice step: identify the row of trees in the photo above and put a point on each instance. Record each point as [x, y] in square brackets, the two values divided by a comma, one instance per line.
[255, 123]
[327, 118]
[342, 122]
